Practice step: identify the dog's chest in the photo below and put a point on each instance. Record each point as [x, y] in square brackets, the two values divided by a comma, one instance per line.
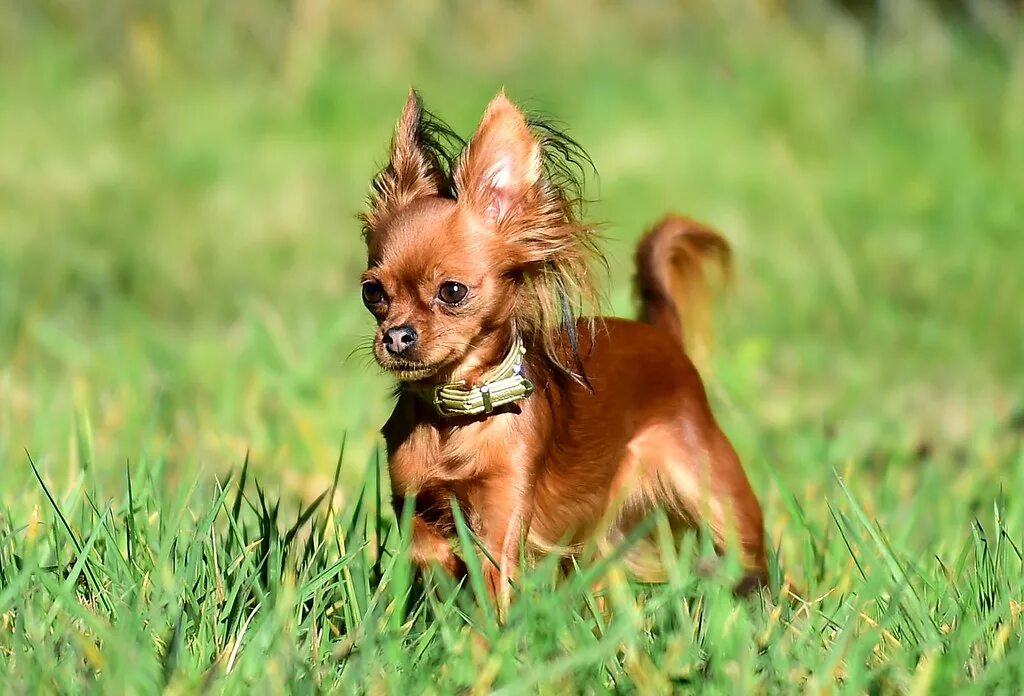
[437, 465]
[429, 456]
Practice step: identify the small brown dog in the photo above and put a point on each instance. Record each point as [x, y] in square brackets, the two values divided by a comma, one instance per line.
[543, 427]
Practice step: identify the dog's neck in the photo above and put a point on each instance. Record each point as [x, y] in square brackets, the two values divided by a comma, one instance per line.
[485, 355]
[485, 386]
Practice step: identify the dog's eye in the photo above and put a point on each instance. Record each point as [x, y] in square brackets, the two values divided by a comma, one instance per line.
[373, 293]
[452, 293]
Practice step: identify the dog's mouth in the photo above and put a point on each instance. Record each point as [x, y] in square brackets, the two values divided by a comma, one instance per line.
[409, 371]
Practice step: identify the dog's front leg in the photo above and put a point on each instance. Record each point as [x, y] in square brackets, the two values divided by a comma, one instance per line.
[430, 548]
[505, 509]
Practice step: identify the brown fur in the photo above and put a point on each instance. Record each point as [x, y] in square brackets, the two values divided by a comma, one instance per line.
[584, 458]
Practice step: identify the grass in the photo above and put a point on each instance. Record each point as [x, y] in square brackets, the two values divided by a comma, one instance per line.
[178, 264]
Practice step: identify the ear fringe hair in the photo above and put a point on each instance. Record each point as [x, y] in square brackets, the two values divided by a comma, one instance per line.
[436, 145]
[440, 146]
[567, 284]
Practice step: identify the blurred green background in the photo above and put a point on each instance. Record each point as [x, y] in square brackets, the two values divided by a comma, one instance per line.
[179, 252]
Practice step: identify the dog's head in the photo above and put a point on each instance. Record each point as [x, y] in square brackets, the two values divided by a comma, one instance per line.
[462, 245]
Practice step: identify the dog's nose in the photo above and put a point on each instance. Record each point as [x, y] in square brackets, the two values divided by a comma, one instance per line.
[399, 339]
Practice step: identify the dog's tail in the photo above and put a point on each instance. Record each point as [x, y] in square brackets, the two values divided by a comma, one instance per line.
[672, 282]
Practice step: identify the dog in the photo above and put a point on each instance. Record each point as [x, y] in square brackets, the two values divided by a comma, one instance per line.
[548, 430]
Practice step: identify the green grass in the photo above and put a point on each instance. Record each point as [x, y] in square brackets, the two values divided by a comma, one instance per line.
[222, 590]
[178, 295]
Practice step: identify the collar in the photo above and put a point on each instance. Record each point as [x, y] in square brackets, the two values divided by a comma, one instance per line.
[503, 385]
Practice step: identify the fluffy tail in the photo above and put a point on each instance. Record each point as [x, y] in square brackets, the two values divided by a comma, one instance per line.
[672, 282]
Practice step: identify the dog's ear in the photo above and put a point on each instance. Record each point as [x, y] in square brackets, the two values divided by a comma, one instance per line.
[502, 163]
[414, 170]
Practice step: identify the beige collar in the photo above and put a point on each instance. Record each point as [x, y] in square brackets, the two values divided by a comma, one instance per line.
[503, 385]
